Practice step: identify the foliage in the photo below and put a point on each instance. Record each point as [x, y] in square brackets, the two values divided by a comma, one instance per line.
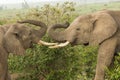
[114, 71]
[51, 14]
[69, 63]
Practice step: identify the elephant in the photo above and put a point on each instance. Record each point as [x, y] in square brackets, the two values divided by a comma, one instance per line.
[101, 28]
[16, 38]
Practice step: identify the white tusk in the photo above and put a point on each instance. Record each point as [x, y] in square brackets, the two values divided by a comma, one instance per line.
[46, 43]
[60, 45]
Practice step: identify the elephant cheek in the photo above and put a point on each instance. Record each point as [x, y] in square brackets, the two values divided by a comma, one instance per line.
[34, 39]
[82, 38]
[28, 45]
[86, 37]
[72, 38]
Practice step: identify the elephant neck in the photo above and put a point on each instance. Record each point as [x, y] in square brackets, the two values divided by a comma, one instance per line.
[5, 46]
[3, 30]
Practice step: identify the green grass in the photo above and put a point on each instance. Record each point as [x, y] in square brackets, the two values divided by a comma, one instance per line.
[81, 9]
[9, 13]
[95, 7]
[12, 14]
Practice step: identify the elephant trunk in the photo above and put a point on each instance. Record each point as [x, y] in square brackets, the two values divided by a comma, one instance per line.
[39, 33]
[55, 35]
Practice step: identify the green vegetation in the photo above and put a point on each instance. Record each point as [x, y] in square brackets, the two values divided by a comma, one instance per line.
[69, 63]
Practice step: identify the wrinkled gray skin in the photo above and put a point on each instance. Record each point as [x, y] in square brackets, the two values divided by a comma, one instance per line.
[101, 29]
[16, 38]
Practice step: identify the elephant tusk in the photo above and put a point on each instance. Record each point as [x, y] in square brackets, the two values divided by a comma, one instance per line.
[46, 43]
[60, 45]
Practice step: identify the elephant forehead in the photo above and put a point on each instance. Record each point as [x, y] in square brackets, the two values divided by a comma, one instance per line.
[81, 25]
[23, 27]
[84, 18]
[73, 26]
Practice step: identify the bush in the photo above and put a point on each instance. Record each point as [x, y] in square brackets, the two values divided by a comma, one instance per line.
[68, 63]
[51, 14]
[113, 73]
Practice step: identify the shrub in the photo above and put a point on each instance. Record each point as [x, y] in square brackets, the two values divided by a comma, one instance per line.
[68, 63]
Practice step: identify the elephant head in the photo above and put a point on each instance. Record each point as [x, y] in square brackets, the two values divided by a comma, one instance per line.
[20, 37]
[88, 29]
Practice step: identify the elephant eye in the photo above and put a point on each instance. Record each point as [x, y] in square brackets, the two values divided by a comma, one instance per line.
[78, 29]
[16, 34]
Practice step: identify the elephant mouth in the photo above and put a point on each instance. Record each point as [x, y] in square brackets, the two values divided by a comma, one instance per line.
[86, 44]
[31, 45]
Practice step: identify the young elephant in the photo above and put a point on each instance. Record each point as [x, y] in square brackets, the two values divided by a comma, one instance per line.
[101, 28]
[16, 38]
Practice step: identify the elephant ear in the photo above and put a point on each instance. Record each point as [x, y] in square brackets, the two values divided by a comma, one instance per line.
[104, 27]
[11, 40]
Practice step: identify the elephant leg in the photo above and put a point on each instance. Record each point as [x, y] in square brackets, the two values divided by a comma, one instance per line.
[3, 72]
[8, 77]
[105, 55]
[3, 65]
